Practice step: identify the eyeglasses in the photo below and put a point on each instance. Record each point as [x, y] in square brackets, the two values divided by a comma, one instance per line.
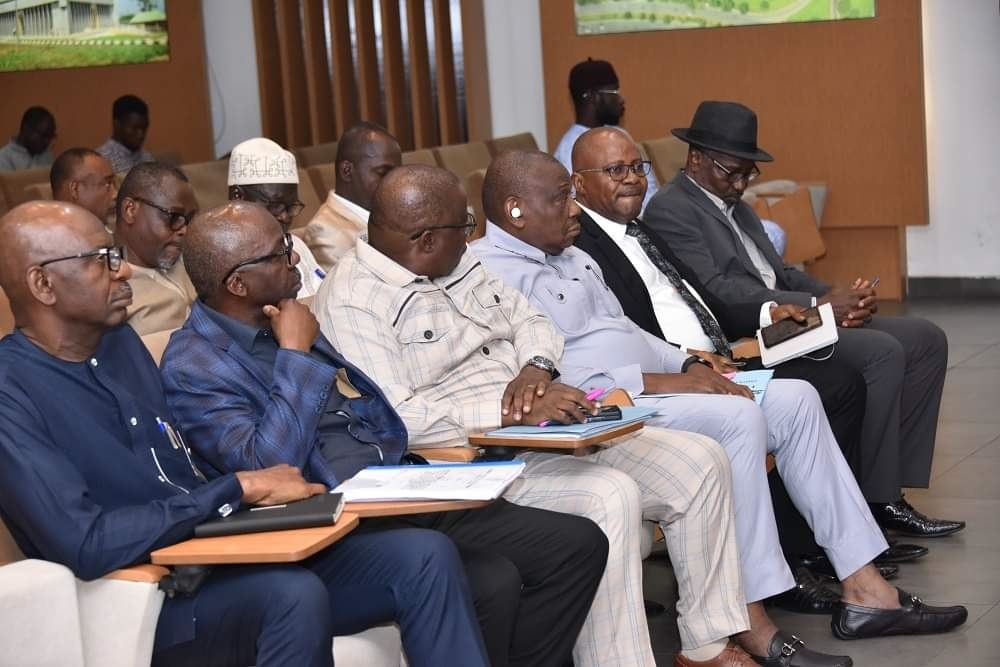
[286, 251]
[113, 255]
[469, 227]
[275, 207]
[735, 177]
[176, 221]
[618, 172]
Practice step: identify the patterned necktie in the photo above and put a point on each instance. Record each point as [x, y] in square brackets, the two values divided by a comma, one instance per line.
[705, 319]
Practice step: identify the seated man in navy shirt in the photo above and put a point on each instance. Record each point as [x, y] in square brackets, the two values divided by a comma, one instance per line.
[88, 480]
[254, 384]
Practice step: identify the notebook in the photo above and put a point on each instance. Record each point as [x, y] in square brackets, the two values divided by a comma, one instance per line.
[810, 341]
[442, 481]
[320, 510]
[573, 431]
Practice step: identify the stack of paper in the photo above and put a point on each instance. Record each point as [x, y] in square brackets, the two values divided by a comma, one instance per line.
[446, 481]
[573, 431]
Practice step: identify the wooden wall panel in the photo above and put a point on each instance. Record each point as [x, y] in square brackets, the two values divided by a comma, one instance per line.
[840, 102]
[293, 84]
[345, 89]
[367, 61]
[397, 106]
[421, 91]
[864, 252]
[447, 96]
[81, 98]
[319, 85]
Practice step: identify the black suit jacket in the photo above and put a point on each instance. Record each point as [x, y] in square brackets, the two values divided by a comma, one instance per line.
[737, 320]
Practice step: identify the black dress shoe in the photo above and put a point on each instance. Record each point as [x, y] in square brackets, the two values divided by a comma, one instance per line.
[653, 608]
[901, 553]
[821, 566]
[787, 650]
[851, 621]
[903, 518]
[809, 596]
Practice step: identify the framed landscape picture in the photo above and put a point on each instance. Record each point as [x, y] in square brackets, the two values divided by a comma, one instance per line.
[53, 34]
[595, 17]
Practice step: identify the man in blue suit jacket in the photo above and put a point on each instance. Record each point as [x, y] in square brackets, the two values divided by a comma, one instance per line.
[90, 479]
[254, 384]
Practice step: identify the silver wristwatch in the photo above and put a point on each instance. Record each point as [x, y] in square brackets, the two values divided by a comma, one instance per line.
[544, 364]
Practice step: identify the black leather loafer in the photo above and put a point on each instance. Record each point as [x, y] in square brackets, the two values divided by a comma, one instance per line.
[851, 621]
[821, 566]
[787, 650]
[809, 596]
[901, 553]
[902, 517]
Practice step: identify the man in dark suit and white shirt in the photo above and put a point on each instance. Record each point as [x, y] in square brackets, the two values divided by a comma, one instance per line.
[701, 215]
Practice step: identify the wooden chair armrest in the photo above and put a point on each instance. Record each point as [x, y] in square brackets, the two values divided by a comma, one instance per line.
[618, 397]
[453, 454]
[746, 348]
[147, 574]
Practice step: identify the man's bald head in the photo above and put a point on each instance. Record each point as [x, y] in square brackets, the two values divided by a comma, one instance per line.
[592, 144]
[419, 219]
[218, 240]
[511, 174]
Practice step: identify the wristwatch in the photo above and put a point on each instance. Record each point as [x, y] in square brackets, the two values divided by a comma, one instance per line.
[544, 364]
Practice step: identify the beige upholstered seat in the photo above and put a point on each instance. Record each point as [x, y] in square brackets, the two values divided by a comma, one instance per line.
[668, 156]
[463, 159]
[14, 183]
[307, 156]
[524, 141]
[208, 179]
[421, 156]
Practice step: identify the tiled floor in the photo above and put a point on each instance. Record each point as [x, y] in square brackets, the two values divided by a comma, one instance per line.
[965, 484]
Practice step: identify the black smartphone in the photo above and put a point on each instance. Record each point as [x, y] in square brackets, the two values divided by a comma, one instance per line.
[787, 329]
[606, 413]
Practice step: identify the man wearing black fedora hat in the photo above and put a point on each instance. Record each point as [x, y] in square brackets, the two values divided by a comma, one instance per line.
[701, 215]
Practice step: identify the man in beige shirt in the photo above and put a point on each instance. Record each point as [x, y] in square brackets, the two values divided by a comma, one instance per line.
[365, 153]
[155, 205]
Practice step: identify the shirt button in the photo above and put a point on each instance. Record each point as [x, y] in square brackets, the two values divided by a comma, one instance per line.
[93, 362]
[496, 297]
[428, 334]
[133, 421]
[560, 297]
[486, 351]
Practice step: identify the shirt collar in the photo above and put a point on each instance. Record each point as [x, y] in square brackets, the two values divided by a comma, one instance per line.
[387, 270]
[505, 241]
[18, 148]
[721, 205]
[359, 211]
[244, 334]
[613, 229]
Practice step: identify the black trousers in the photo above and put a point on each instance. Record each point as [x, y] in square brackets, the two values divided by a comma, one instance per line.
[843, 392]
[533, 575]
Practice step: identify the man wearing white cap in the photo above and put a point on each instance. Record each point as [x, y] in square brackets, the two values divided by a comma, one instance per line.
[261, 171]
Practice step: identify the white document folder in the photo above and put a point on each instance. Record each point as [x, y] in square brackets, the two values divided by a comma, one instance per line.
[822, 336]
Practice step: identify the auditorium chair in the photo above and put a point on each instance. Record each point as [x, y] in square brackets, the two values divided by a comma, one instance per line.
[13, 184]
[208, 180]
[463, 159]
[38, 191]
[308, 156]
[796, 208]
[668, 155]
[308, 196]
[6, 316]
[324, 178]
[524, 140]
[421, 156]
[474, 194]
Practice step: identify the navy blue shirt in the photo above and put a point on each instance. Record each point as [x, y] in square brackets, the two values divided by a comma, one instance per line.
[88, 476]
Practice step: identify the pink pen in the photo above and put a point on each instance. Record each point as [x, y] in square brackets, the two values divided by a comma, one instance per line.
[591, 395]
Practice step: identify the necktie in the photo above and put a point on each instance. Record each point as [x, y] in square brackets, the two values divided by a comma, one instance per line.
[705, 319]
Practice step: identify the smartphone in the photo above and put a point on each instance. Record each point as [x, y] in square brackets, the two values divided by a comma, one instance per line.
[606, 413]
[787, 329]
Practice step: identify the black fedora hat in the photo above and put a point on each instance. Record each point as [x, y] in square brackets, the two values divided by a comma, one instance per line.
[726, 127]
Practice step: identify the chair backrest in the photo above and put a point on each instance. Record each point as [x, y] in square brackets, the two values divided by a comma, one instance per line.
[156, 343]
[173, 158]
[309, 197]
[9, 551]
[463, 159]
[524, 140]
[38, 191]
[668, 155]
[6, 315]
[474, 193]
[208, 179]
[307, 156]
[421, 156]
[324, 178]
[13, 183]
[3, 202]
[794, 214]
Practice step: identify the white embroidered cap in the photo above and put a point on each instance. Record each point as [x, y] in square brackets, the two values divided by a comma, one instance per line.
[260, 160]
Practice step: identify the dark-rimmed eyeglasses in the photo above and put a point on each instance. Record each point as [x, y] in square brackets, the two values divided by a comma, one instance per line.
[286, 252]
[734, 176]
[275, 207]
[113, 255]
[176, 221]
[619, 172]
[468, 227]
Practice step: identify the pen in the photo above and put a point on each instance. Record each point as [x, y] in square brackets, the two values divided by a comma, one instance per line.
[267, 507]
[874, 282]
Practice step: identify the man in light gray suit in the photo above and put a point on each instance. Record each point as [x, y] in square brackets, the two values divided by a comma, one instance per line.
[700, 213]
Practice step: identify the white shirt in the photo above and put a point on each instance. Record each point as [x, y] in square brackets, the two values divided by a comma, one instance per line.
[676, 319]
[312, 275]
